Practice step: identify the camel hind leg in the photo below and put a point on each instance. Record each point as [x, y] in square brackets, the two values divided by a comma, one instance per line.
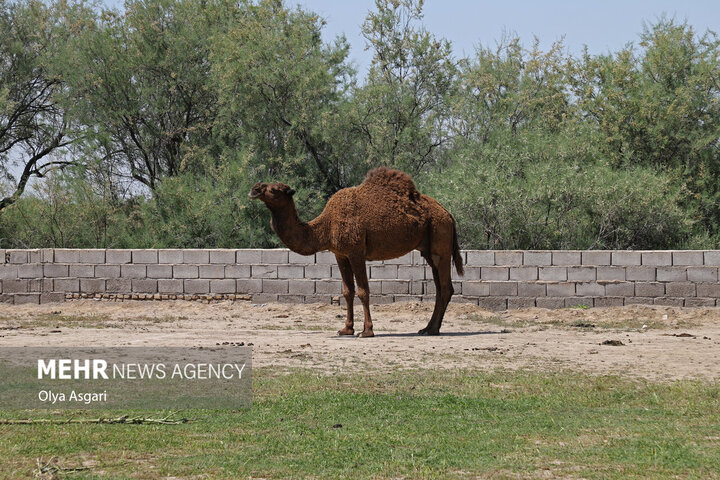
[443, 292]
[363, 291]
[348, 290]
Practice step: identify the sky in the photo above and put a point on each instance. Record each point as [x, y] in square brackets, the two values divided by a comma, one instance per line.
[604, 26]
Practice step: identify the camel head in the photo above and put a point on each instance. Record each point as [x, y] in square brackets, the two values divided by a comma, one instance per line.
[272, 193]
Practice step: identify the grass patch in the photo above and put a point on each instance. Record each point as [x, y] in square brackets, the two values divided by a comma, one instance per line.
[413, 424]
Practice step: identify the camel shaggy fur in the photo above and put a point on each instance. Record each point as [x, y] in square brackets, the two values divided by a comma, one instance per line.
[382, 218]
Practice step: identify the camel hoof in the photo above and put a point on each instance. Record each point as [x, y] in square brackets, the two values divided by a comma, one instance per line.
[346, 331]
[366, 333]
[426, 331]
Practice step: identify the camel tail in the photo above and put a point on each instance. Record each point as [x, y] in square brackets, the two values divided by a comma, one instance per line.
[457, 259]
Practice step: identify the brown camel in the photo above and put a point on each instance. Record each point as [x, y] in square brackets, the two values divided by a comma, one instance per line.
[384, 217]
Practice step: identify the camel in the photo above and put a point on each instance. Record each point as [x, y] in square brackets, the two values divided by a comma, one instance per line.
[382, 218]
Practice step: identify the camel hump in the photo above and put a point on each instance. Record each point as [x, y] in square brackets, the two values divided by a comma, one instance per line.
[395, 180]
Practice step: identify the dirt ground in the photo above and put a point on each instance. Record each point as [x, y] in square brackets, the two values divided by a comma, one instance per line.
[657, 343]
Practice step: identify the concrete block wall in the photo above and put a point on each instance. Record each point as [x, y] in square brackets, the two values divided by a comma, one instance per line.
[495, 280]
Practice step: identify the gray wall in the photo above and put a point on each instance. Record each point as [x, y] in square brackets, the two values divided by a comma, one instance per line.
[493, 279]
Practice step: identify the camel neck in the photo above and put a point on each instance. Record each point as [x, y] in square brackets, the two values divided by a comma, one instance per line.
[300, 237]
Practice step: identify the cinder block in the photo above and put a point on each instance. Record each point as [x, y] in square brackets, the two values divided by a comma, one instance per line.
[40, 285]
[275, 256]
[171, 255]
[68, 285]
[212, 271]
[608, 301]
[638, 300]
[82, 271]
[680, 289]
[92, 285]
[264, 271]
[563, 289]
[384, 271]
[418, 298]
[196, 256]
[610, 274]
[411, 272]
[144, 256]
[133, 271]
[595, 257]
[325, 258]
[54, 270]
[657, 258]
[262, 298]
[2, 256]
[65, 255]
[520, 302]
[34, 256]
[480, 258]
[494, 304]
[301, 287]
[669, 301]
[626, 258]
[649, 289]
[196, 286]
[508, 258]
[582, 274]
[524, 274]
[92, 256]
[712, 258]
[550, 302]
[402, 260]
[250, 285]
[621, 289]
[16, 256]
[556, 274]
[297, 259]
[223, 286]
[579, 302]
[330, 287]
[401, 287]
[52, 297]
[159, 271]
[566, 258]
[30, 270]
[112, 256]
[317, 271]
[335, 272]
[248, 256]
[711, 290]
[224, 256]
[702, 274]
[418, 259]
[688, 257]
[640, 274]
[8, 272]
[173, 286]
[274, 286]
[144, 285]
[47, 256]
[417, 287]
[117, 285]
[590, 289]
[699, 302]
[25, 298]
[291, 271]
[185, 271]
[532, 289]
[15, 286]
[495, 273]
[381, 299]
[537, 258]
[107, 271]
[237, 271]
[507, 289]
[471, 273]
[291, 299]
[671, 274]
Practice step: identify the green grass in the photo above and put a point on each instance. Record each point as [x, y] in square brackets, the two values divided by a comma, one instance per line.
[411, 424]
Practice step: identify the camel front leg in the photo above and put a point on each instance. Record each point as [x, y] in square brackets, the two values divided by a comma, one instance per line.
[363, 290]
[348, 290]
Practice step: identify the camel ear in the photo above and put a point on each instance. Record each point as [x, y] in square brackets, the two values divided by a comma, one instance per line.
[291, 192]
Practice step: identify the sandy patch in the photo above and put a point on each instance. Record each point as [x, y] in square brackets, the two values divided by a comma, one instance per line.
[659, 343]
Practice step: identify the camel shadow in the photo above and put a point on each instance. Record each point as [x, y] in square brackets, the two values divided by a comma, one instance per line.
[442, 334]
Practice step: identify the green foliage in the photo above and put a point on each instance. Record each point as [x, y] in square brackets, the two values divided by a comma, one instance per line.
[171, 110]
